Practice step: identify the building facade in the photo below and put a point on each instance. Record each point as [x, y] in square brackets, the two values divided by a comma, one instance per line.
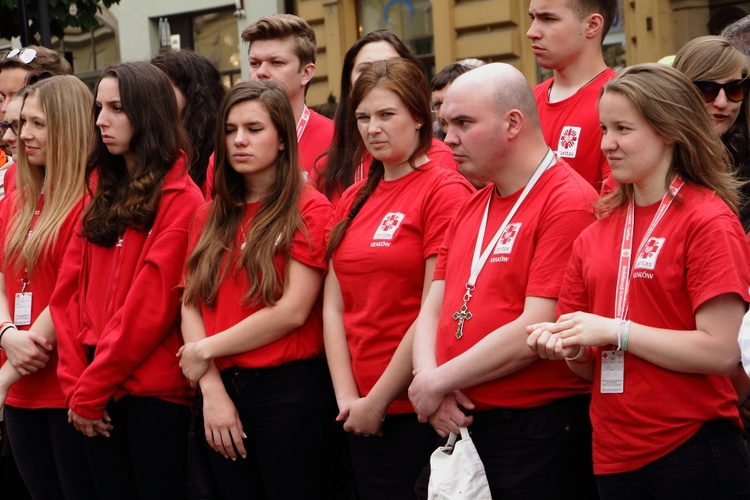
[438, 32]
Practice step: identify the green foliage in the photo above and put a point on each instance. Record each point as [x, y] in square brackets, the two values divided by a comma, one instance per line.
[59, 14]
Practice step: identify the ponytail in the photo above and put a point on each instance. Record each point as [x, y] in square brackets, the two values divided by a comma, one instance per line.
[339, 230]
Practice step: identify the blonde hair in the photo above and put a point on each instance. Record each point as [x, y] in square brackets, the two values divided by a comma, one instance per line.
[671, 104]
[66, 103]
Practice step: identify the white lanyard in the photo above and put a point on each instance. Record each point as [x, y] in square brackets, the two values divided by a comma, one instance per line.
[626, 252]
[480, 258]
[302, 123]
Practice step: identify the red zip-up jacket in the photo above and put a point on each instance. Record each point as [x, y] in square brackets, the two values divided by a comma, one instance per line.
[123, 303]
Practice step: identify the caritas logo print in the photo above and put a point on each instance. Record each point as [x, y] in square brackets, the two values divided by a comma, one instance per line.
[568, 143]
[388, 226]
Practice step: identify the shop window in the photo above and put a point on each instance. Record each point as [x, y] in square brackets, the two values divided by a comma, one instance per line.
[213, 35]
[410, 20]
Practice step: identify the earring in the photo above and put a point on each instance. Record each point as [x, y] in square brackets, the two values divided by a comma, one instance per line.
[419, 125]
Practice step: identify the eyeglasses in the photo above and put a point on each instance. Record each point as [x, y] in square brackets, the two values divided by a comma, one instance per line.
[24, 55]
[13, 126]
[734, 90]
[435, 108]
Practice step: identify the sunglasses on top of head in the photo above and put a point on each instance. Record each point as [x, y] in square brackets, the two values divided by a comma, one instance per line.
[735, 90]
[24, 55]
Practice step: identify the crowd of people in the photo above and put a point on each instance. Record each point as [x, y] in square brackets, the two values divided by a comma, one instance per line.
[217, 293]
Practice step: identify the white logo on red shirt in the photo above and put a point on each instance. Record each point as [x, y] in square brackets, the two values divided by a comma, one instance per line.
[507, 239]
[647, 257]
[567, 146]
[389, 225]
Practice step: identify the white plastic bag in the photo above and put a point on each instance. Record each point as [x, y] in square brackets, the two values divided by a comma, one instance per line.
[744, 340]
[457, 472]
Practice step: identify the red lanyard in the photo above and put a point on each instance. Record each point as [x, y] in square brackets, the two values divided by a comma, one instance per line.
[37, 211]
[302, 123]
[624, 272]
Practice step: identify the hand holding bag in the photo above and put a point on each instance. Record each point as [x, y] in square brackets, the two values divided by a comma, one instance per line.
[457, 472]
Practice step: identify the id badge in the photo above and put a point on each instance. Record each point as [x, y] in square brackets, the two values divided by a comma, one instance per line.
[613, 372]
[22, 316]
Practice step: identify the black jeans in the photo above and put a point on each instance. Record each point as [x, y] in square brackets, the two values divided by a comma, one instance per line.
[535, 453]
[146, 454]
[50, 453]
[387, 467]
[294, 447]
[712, 464]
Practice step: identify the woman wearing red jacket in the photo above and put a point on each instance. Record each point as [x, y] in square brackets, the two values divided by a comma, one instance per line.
[117, 300]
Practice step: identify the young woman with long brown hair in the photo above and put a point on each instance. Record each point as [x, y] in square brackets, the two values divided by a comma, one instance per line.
[251, 317]
[117, 301]
[383, 249]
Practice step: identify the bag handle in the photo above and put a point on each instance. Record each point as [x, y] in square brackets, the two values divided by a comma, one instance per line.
[453, 437]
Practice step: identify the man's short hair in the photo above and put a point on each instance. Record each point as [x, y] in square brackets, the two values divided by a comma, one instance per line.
[607, 9]
[280, 26]
[446, 75]
[738, 34]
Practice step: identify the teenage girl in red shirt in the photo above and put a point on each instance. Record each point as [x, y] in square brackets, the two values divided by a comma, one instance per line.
[251, 315]
[38, 221]
[654, 296]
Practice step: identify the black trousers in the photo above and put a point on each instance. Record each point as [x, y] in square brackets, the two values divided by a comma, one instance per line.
[295, 448]
[535, 453]
[145, 456]
[712, 464]
[50, 453]
[387, 467]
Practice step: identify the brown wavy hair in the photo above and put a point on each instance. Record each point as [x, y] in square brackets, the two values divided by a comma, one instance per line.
[66, 103]
[201, 84]
[338, 172]
[274, 225]
[672, 105]
[404, 78]
[123, 200]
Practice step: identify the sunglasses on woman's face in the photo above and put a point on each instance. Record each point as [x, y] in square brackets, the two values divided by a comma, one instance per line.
[734, 90]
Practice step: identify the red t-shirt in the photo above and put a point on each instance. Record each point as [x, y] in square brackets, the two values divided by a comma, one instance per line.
[571, 127]
[9, 181]
[699, 252]
[528, 261]
[303, 343]
[439, 153]
[40, 389]
[315, 141]
[380, 263]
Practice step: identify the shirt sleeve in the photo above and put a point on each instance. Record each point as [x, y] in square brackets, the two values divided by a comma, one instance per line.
[718, 260]
[65, 309]
[552, 252]
[309, 247]
[440, 209]
[573, 295]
